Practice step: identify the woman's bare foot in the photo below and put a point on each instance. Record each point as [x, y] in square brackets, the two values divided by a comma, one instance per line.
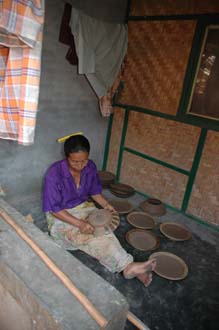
[136, 269]
[146, 278]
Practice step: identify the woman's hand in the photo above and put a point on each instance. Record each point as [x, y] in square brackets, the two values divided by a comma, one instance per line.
[86, 228]
[110, 208]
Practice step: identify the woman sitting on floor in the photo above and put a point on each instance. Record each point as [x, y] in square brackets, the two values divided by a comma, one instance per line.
[68, 185]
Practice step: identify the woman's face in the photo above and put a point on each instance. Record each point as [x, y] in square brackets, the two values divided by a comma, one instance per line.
[77, 160]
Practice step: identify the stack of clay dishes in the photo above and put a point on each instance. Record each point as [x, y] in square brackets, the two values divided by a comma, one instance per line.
[106, 178]
[103, 221]
[121, 206]
[121, 190]
[153, 206]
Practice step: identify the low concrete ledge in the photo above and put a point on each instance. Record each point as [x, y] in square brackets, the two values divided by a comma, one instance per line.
[25, 278]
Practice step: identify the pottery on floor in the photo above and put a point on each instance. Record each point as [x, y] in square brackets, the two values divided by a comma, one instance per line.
[106, 178]
[169, 266]
[140, 220]
[153, 206]
[175, 231]
[121, 206]
[142, 240]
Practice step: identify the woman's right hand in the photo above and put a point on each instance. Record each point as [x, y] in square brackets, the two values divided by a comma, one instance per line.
[86, 228]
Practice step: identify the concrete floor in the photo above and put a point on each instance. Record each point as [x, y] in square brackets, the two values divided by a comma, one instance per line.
[192, 303]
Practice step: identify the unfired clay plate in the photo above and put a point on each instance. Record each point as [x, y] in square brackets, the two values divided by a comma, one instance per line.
[140, 220]
[142, 239]
[170, 266]
[122, 207]
[175, 231]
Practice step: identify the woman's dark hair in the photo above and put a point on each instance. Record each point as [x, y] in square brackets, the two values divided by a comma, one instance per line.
[76, 143]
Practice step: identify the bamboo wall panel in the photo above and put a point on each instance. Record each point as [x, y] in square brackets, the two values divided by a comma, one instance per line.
[115, 140]
[204, 201]
[155, 64]
[153, 179]
[170, 7]
[166, 140]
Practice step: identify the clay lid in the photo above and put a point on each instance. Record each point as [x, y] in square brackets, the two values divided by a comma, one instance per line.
[175, 231]
[122, 207]
[142, 239]
[170, 266]
[153, 206]
[140, 220]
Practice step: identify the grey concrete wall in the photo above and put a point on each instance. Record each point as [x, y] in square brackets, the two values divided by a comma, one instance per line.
[67, 104]
[40, 296]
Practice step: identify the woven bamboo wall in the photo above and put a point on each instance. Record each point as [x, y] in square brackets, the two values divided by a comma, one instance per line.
[115, 140]
[170, 7]
[156, 62]
[154, 72]
[166, 140]
[156, 180]
[204, 201]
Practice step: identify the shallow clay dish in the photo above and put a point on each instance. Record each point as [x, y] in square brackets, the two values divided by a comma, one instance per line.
[142, 239]
[175, 231]
[153, 206]
[122, 207]
[140, 220]
[170, 266]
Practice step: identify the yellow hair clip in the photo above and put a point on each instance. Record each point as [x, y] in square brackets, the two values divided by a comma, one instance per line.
[62, 139]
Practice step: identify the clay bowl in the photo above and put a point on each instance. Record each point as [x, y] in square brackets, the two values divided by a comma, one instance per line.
[153, 206]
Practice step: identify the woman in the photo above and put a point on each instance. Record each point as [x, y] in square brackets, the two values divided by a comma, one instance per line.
[68, 185]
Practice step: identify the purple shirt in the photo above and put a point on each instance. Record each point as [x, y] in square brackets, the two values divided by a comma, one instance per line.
[60, 191]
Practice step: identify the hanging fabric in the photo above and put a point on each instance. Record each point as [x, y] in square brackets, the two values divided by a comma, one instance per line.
[100, 47]
[21, 24]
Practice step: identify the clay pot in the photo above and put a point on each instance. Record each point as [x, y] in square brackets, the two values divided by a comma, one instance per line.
[153, 206]
[103, 221]
[99, 219]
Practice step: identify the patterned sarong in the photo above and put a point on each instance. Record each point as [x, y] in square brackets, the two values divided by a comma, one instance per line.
[106, 248]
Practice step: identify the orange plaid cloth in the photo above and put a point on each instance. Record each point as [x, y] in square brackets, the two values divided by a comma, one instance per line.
[21, 24]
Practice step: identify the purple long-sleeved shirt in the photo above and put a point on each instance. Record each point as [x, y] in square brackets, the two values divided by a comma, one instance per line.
[60, 191]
